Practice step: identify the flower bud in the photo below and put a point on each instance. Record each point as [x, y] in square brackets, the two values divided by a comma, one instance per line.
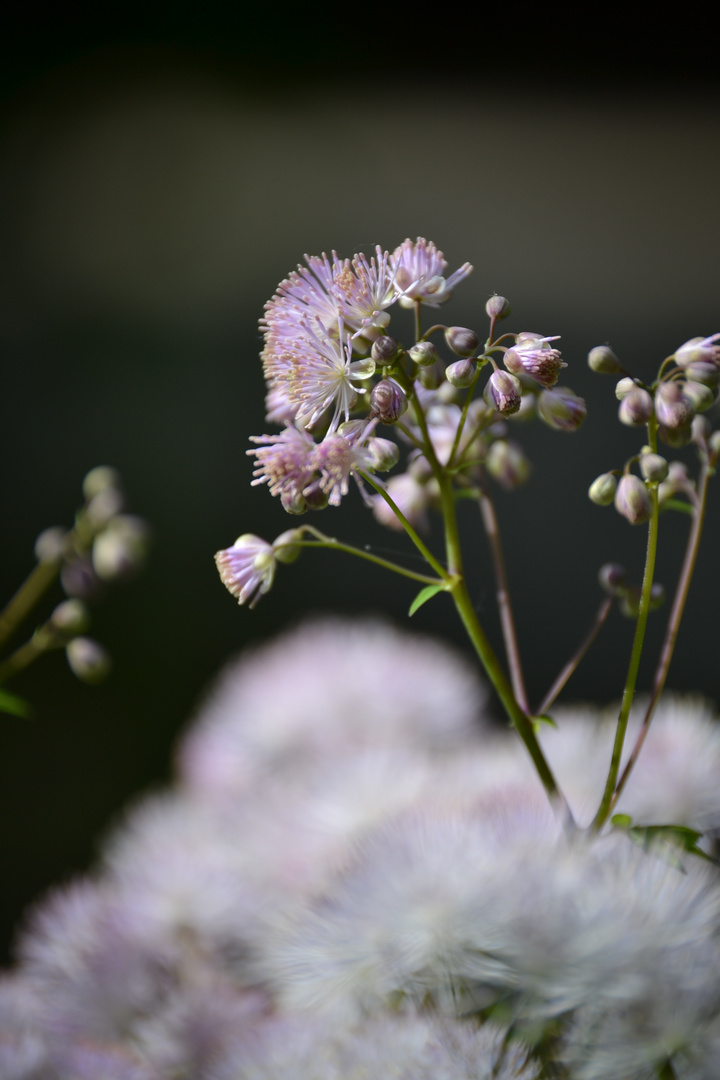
[423, 353]
[100, 479]
[562, 409]
[385, 350]
[699, 397]
[497, 307]
[315, 497]
[70, 617]
[603, 360]
[385, 453]
[698, 349]
[503, 392]
[88, 660]
[120, 550]
[603, 488]
[635, 408]
[462, 341]
[432, 376]
[293, 502]
[506, 462]
[654, 467]
[630, 602]
[461, 373]
[714, 442]
[104, 506]
[388, 401]
[675, 437]
[632, 499]
[78, 578]
[700, 429]
[285, 549]
[704, 371]
[534, 356]
[671, 407]
[612, 578]
[50, 544]
[624, 387]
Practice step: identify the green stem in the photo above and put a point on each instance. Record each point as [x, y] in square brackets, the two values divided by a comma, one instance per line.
[673, 625]
[463, 418]
[484, 650]
[27, 596]
[337, 545]
[629, 691]
[502, 593]
[572, 664]
[43, 639]
[422, 548]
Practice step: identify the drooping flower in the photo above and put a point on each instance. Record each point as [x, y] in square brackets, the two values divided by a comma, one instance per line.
[419, 268]
[339, 456]
[533, 355]
[247, 569]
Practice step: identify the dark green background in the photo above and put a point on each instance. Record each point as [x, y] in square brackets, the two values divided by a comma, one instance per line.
[163, 169]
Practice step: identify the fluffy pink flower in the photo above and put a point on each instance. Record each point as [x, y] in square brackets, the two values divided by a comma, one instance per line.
[247, 569]
[419, 268]
[285, 462]
[339, 456]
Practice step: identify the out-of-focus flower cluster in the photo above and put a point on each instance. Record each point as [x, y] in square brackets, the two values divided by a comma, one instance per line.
[336, 379]
[356, 876]
[104, 545]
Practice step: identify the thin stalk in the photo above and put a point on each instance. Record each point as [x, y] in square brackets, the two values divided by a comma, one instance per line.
[419, 544]
[42, 640]
[484, 650]
[601, 615]
[502, 595]
[27, 596]
[337, 545]
[673, 625]
[629, 691]
[463, 418]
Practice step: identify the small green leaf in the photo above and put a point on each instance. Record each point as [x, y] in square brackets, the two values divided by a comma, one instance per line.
[621, 821]
[539, 721]
[14, 705]
[425, 594]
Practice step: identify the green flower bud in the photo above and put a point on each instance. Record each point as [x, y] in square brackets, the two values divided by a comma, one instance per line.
[461, 373]
[603, 488]
[88, 661]
[714, 442]
[70, 617]
[653, 467]
[704, 371]
[100, 479]
[603, 360]
[506, 462]
[497, 307]
[624, 387]
[50, 544]
[284, 547]
[423, 354]
[385, 453]
[699, 396]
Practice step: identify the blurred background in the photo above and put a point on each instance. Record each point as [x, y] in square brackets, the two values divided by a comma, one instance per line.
[162, 170]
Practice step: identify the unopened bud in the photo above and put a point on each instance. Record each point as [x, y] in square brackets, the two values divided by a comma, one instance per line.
[671, 407]
[624, 387]
[506, 462]
[315, 497]
[462, 341]
[423, 353]
[385, 350]
[385, 453]
[50, 544]
[704, 371]
[654, 467]
[71, 617]
[104, 506]
[99, 479]
[503, 392]
[293, 502]
[699, 396]
[497, 307]
[632, 499]
[562, 409]
[285, 546]
[461, 373]
[432, 376]
[714, 442]
[88, 660]
[700, 428]
[635, 408]
[603, 360]
[676, 437]
[603, 488]
[120, 550]
[388, 401]
[78, 578]
[698, 349]
[612, 578]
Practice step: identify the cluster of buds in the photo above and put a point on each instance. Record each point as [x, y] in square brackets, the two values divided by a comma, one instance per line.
[687, 385]
[336, 377]
[104, 545]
